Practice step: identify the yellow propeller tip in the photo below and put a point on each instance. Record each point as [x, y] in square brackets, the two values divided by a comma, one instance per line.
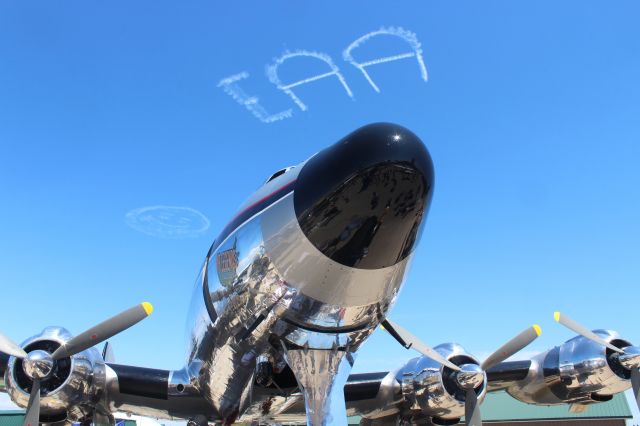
[148, 307]
[556, 316]
[537, 329]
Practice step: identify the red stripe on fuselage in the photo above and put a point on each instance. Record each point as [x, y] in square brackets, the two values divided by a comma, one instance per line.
[264, 198]
[247, 213]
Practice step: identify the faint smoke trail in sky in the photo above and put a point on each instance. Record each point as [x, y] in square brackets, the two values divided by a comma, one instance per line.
[252, 103]
[407, 36]
[168, 221]
[272, 74]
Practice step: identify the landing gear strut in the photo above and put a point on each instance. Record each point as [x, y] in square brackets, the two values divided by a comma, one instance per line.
[321, 375]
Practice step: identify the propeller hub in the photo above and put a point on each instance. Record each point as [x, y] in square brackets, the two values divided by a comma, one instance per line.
[630, 358]
[38, 364]
[470, 376]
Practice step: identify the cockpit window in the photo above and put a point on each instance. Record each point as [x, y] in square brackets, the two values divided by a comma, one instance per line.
[278, 173]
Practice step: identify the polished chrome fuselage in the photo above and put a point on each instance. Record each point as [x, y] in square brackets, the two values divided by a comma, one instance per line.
[266, 287]
[289, 291]
[298, 279]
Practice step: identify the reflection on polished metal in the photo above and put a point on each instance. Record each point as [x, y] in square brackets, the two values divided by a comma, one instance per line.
[223, 353]
[630, 358]
[424, 388]
[432, 389]
[470, 376]
[348, 296]
[322, 374]
[578, 371]
[362, 200]
[314, 270]
[67, 384]
[293, 285]
[265, 280]
[38, 364]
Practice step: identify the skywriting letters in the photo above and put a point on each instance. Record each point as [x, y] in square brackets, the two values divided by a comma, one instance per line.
[231, 85]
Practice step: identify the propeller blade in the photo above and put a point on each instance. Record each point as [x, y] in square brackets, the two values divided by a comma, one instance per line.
[8, 347]
[104, 330]
[583, 331]
[408, 340]
[635, 384]
[512, 346]
[33, 407]
[472, 415]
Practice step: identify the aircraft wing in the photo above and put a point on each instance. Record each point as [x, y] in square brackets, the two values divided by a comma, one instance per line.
[149, 392]
[141, 381]
[385, 397]
[507, 373]
[582, 371]
[578, 373]
[417, 390]
[366, 386]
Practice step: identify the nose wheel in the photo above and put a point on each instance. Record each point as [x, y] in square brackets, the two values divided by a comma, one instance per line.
[321, 375]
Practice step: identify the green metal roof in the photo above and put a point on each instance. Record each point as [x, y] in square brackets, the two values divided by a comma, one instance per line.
[500, 406]
[11, 418]
[497, 406]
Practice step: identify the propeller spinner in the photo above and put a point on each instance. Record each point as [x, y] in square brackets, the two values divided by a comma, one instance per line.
[468, 376]
[628, 357]
[38, 364]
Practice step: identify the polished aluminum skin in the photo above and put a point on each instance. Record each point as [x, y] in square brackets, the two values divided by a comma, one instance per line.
[322, 375]
[265, 291]
[38, 364]
[260, 315]
[183, 402]
[630, 358]
[420, 390]
[470, 377]
[76, 397]
[579, 371]
[388, 402]
[269, 288]
[301, 283]
[433, 390]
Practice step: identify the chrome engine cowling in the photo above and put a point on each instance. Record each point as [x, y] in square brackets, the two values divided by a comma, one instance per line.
[579, 371]
[432, 389]
[73, 388]
[428, 389]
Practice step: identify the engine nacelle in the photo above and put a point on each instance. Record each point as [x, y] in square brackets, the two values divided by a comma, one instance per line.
[72, 389]
[423, 388]
[579, 371]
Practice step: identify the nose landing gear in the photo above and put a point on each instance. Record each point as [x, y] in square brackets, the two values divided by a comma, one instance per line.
[321, 375]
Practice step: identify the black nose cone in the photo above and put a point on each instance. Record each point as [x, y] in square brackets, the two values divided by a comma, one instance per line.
[362, 201]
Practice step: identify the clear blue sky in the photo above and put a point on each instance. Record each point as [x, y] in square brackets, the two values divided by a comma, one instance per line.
[531, 113]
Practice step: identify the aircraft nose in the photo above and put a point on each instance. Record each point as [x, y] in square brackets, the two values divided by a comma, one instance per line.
[362, 201]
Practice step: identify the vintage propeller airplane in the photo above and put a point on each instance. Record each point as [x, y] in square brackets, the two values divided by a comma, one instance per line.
[307, 269]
